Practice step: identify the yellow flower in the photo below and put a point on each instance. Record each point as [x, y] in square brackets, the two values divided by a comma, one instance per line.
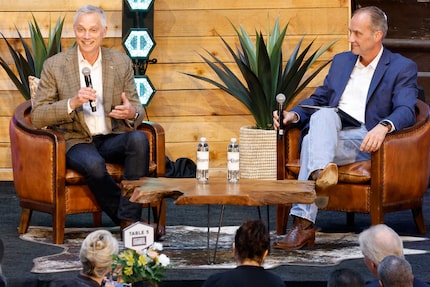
[128, 270]
[142, 261]
[141, 265]
[129, 257]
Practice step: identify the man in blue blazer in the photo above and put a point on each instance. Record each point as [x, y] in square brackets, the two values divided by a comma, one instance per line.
[367, 93]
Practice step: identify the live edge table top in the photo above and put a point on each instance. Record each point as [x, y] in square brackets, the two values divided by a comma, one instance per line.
[247, 192]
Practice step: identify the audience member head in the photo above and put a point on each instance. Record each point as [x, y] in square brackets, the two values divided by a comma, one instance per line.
[96, 253]
[345, 277]
[251, 243]
[395, 271]
[376, 243]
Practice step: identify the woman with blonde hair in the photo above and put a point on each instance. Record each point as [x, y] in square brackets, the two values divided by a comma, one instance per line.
[96, 258]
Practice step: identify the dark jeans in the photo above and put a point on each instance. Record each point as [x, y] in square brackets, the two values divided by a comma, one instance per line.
[130, 149]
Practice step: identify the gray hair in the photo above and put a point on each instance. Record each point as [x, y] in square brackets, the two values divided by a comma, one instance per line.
[96, 253]
[379, 241]
[394, 271]
[89, 9]
[377, 17]
[345, 277]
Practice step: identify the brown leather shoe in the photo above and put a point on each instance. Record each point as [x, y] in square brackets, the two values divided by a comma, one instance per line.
[125, 223]
[326, 177]
[301, 234]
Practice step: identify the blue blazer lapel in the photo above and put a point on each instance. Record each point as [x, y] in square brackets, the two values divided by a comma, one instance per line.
[379, 72]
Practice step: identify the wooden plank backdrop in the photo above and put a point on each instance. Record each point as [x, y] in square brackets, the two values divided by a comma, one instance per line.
[183, 30]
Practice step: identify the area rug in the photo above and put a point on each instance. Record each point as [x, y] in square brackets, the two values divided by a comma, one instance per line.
[187, 247]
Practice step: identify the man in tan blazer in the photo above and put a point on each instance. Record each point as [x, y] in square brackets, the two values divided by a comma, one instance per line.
[106, 134]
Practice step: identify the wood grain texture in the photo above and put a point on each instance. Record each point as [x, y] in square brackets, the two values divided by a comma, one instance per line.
[187, 108]
[218, 191]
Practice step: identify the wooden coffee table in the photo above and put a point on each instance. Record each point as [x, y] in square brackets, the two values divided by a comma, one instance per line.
[218, 191]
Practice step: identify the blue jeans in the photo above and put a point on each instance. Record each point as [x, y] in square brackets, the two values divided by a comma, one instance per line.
[326, 142]
[130, 149]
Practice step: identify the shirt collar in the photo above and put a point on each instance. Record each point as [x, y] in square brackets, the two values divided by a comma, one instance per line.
[372, 64]
[82, 60]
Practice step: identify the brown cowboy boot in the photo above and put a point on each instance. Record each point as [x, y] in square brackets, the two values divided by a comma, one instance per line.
[301, 234]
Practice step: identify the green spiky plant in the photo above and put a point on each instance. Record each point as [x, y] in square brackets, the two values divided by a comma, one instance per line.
[32, 63]
[261, 66]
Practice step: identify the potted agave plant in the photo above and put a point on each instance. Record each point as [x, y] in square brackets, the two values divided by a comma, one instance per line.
[263, 77]
[30, 66]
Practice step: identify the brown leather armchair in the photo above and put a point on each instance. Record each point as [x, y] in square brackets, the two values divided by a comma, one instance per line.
[43, 183]
[395, 178]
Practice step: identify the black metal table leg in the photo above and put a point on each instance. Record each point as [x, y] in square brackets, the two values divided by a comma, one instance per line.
[221, 216]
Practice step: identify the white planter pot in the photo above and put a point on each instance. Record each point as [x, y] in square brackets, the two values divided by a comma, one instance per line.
[257, 153]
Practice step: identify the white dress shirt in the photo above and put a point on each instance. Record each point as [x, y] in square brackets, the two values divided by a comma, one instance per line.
[353, 100]
[94, 120]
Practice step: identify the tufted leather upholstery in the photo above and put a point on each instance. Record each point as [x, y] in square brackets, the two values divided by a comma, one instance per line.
[42, 181]
[395, 178]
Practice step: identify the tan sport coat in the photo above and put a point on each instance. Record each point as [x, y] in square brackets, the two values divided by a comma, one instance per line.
[60, 80]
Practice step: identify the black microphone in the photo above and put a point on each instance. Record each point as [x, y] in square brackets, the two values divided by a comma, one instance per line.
[280, 98]
[86, 71]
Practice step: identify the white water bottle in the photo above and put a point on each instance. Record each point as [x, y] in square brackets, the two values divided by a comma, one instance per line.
[233, 161]
[202, 173]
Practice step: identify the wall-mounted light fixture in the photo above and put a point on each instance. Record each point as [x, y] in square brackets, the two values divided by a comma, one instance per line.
[138, 42]
[139, 5]
[145, 90]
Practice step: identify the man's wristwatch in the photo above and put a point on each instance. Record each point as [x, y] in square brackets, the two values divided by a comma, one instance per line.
[136, 115]
[386, 124]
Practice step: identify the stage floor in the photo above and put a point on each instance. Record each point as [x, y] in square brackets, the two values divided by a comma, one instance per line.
[17, 262]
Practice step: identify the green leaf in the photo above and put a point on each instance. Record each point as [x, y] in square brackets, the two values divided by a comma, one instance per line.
[54, 41]
[32, 63]
[261, 67]
[39, 47]
[248, 47]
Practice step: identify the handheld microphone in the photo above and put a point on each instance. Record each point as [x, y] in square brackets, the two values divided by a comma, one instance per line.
[86, 72]
[280, 98]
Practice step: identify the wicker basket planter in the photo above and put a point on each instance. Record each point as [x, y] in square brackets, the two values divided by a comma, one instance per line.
[257, 153]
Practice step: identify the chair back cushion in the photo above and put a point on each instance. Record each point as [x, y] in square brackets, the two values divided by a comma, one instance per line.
[33, 83]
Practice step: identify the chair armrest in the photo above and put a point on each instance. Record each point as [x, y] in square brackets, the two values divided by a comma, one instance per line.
[156, 137]
[288, 149]
[401, 165]
[38, 158]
